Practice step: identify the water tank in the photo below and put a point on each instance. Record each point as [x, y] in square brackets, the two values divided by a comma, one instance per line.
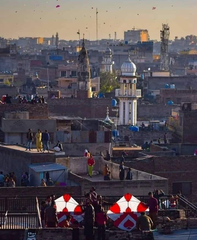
[114, 103]
[170, 102]
[134, 129]
[101, 95]
[172, 86]
[115, 133]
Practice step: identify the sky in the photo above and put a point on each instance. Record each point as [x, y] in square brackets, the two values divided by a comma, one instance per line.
[41, 18]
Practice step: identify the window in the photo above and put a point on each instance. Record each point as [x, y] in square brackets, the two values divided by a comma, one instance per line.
[1, 80]
[63, 73]
[94, 89]
[134, 112]
[123, 113]
[178, 101]
[184, 187]
[73, 73]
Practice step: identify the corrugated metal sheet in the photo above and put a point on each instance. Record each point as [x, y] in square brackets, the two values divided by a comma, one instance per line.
[84, 136]
[76, 138]
[107, 136]
[67, 137]
[92, 137]
[100, 137]
[60, 136]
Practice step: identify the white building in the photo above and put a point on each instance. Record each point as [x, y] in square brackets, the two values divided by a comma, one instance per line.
[107, 61]
[128, 94]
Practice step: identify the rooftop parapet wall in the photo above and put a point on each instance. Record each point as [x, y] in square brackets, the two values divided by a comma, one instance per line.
[36, 111]
[16, 159]
[79, 166]
[84, 108]
[119, 188]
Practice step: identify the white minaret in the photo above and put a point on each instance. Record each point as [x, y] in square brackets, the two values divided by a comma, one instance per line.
[128, 94]
[107, 61]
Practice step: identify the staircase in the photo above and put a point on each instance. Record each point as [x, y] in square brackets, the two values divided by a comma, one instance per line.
[190, 208]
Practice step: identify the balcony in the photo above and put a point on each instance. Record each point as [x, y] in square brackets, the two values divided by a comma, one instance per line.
[133, 93]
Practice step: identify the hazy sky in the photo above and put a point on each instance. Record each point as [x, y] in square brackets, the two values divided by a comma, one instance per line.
[20, 18]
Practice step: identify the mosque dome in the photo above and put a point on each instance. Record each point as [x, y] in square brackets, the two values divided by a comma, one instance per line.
[128, 68]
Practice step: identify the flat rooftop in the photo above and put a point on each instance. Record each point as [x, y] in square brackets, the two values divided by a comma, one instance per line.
[127, 148]
[189, 234]
[23, 149]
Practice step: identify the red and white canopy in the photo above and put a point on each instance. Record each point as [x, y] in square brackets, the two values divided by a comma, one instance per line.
[125, 212]
[66, 205]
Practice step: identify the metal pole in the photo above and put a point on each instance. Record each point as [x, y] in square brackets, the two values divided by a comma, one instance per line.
[79, 37]
[97, 25]
[48, 76]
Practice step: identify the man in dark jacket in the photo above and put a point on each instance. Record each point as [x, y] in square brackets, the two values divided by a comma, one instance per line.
[89, 219]
[29, 140]
[129, 175]
[45, 140]
[121, 171]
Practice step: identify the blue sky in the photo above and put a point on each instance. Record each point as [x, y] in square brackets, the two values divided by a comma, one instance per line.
[19, 18]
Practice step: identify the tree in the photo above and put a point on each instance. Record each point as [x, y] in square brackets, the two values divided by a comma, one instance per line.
[109, 82]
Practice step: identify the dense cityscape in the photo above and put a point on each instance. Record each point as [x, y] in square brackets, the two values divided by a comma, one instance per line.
[98, 137]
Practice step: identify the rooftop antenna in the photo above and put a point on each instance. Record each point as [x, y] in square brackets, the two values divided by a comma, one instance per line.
[79, 36]
[164, 34]
[97, 25]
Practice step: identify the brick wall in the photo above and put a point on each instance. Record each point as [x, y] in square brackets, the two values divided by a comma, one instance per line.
[85, 108]
[36, 111]
[184, 82]
[189, 126]
[178, 96]
[154, 111]
[66, 234]
[143, 136]
[40, 191]
[176, 169]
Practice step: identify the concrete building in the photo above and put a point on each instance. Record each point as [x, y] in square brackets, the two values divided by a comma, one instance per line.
[178, 96]
[6, 78]
[136, 35]
[18, 135]
[128, 94]
[184, 126]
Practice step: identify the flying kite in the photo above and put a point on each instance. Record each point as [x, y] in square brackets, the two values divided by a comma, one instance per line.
[153, 8]
[125, 212]
[57, 6]
[66, 205]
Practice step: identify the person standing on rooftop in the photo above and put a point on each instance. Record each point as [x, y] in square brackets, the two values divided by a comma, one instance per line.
[29, 140]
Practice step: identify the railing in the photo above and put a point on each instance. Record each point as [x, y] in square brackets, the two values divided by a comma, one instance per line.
[18, 205]
[132, 93]
[18, 220]
[24, 212]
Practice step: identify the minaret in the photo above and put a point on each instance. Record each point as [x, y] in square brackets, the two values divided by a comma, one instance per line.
[57, 40]
[107, 61]
[84, 83]
[52, 40]
[128, 94]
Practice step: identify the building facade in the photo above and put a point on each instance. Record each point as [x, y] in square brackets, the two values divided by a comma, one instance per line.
[136, 35]
[107, 61]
